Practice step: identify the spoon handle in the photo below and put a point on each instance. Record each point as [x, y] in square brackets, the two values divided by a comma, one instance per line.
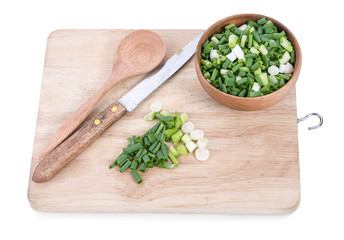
[74, 121]
[76, 143]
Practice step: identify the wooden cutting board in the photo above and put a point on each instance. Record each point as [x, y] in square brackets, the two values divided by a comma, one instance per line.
[254, 163]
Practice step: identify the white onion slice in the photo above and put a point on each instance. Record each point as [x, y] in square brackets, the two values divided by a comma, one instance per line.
[202, 143]
[191, 146]
[155, 107]
[197, 134]
[202, 154]
[187, 127]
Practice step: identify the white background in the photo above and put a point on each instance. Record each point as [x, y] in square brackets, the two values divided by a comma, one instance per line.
[318, 26]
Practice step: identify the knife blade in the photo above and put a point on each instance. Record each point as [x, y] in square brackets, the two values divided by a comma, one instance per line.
[141, 91]
[89, 131]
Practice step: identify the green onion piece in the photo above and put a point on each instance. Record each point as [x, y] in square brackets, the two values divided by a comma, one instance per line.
[166, 165]
[144, 152]
[119, 159]
[259, 80]
[226, 63]
[286, 44]
[254, 94]
[229, 82]
[262, 21]
[263, 50]
[224, 88]
[278, 35]
[223, 47]
[229, 27]
[146, 159]
[123, 162]
[264, 78]
[230, 74]
[114, 163]
[184, 117]
[161, 134]
[151, 155]
[181, 149]
[178, 122]
[136, 176]
[165, 113]
[242, 93]
[232, 40]
[254, 50]
[165, 118]
[186, 138]
[160, 127]
[265, 60]
[252, 23]
[146, 142]
[238, 32]
[133, 148]
[214, 39]
[151, 148]
[173, 159]
[292, 54]
[164, 150]
[205, 44]
[155, 161]
[160, 157]
[214, 74]
[133, 139]
[143, 167]
[249, 62]
[170, 132]
[241, 81]
[138, 154]
[256, 37]
[255, 66]
[150, 165]
[284, 76]
[208, 48]
[153, 129]
[174, 152]
[125, 166]
[177, 136]
[156, 148]
[236, 68]
[250, 40]
[151, 138]
[134, 165]
[257, 71]
[150, 116]
[243, 40]
[206, 75]
[206, 63]
[273, 80]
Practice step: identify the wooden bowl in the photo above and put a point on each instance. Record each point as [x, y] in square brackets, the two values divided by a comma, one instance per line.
[244, 103]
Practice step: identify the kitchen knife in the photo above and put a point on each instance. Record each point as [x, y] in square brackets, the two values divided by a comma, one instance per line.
[92, 129]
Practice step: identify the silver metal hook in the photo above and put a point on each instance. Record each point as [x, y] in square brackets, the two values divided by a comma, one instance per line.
[309, 115]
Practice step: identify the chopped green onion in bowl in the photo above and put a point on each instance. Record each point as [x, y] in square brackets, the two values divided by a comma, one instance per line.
[250, 60]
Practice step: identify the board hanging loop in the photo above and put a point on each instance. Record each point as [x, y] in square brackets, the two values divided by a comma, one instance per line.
[308, 116]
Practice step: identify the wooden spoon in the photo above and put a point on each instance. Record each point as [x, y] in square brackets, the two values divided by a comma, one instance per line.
[139, 52]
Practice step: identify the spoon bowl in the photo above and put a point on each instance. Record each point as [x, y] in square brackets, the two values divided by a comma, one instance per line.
[141, 50]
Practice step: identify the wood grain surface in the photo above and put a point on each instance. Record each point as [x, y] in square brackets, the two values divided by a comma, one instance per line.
[254, 163]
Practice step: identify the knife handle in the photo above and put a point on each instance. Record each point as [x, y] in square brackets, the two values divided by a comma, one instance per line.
[50, 165]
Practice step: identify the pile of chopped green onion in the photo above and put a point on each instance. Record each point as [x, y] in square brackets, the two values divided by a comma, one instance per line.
[151, 148]
[248, 61]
